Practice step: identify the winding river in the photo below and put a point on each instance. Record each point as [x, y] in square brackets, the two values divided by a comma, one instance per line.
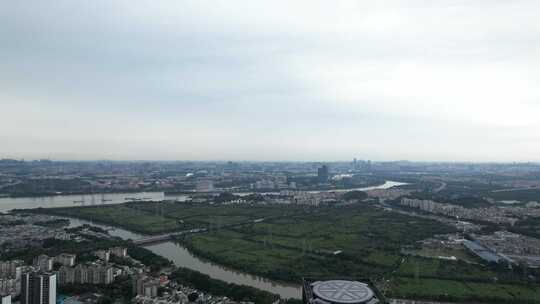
[181, 257]
[170, 250]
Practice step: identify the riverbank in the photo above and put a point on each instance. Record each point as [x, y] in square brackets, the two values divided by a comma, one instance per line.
[182, 257]
[71, 193]
[113, 215]
[8, 203]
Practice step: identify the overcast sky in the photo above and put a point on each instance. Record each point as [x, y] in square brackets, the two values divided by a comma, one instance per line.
[273, 80]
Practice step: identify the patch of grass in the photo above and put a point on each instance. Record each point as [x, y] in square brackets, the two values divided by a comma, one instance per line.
[460, 291]
[119, 215]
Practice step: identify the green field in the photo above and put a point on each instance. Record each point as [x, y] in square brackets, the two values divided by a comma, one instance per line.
[293, 242]
[156, 218]
[302, 244]
[461, 254]
[524, 195]
[119, 215]
[464, 291]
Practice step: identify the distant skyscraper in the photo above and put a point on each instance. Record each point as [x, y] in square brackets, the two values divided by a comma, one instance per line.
[323, 173]
[355, 164]
[38, 288]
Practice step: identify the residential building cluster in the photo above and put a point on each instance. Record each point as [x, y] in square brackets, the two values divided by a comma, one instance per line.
[30, 283]
[145, 289]
[388, 194]
[310, 198]
[146, 286]
[516, 247]
[36, 283]
[491, 214]
[10, 276]
[93, 273]
[99, 272]
[18, 232]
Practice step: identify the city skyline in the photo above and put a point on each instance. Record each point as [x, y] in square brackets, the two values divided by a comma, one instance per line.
[302, 81]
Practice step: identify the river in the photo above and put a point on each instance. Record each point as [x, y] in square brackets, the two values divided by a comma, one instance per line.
[172, 251]
[181, 257]
[9, 203]
[386, 185]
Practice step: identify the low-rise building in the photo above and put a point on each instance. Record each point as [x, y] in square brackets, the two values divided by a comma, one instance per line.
[104, 255]
[119, 251]
[44, 262]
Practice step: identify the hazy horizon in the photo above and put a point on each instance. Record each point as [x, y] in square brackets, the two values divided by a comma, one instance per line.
[434, 81]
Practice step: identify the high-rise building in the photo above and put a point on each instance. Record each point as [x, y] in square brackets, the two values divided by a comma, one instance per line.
[82, 274]
[66, 275]
[145, 286]
[10, 286]
[38, 288]
[11, 269]
[323, 173]
[98, 274]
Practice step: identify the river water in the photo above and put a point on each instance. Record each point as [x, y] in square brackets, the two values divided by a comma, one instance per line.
[9, 203]
[172, 251]
[181, 257]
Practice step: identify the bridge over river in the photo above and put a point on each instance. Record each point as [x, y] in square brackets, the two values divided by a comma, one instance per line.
[165, 237]
[169, 236]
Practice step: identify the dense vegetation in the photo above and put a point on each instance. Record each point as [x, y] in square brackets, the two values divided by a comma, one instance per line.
[463, 201]
[293, 242]
[236, 292]
[157, 218]
[368, 239]
[53, 223]
[518, 195]
[529, 226]
[126, 216]
[38, 187]
[120, 291]
[355, 195]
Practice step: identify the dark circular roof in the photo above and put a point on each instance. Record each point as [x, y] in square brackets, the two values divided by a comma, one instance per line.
[340, 291]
